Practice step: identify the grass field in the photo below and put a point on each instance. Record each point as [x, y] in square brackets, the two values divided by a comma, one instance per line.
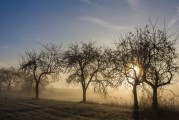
[43, 109]
[31, 109]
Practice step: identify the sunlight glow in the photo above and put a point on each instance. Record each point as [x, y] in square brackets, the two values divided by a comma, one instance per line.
[137, 70]
[134, 71]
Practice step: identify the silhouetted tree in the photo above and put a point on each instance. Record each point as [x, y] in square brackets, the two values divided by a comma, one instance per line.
[105, 77]
[27, 82]
[127, 60]
[1, 78]
[10, 76]
[85, 65]
[42, 64]
[162, 67]
[153, 52]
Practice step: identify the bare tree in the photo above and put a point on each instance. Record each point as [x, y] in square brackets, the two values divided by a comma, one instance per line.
[127, 61]
[146, 56]
[162, 67]
[47, 62]
[10, 76]
[27, 82]
[132, 58]
[1, 78]
[106, 76]
[85, 65]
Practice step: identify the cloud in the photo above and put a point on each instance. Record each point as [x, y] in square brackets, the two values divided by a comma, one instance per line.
[133, 2]
[135, 7]
[90, 3]
[86, 1]
[175, 19]
[103, 23]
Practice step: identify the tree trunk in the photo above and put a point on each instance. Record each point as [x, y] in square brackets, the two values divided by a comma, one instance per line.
[155, 101]
[37, 90]
[136, 107]
[84, 95]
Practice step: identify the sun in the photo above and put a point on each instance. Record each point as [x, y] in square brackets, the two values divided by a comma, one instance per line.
[134, 71]
[137, 70]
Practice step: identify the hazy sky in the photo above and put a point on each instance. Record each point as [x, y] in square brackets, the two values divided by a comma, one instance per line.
[26, 23]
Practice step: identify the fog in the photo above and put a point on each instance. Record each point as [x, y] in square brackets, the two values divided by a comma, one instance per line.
[71, 94]
[121, 96]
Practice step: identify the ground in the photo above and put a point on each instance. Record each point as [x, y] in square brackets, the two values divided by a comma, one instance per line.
[31, 109]
[43, 109]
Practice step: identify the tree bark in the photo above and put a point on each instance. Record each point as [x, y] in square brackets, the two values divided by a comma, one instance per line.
[136, 106]
[37, 90]
[84, 95]
[155, 100]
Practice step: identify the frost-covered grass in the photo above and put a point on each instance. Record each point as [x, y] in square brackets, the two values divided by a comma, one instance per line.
[31, 109]
[16, 108]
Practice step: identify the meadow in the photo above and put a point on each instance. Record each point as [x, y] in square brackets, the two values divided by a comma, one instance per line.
[31, 109]
[16, 106]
